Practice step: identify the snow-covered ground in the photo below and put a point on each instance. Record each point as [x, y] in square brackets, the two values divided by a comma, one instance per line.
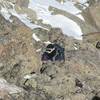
[22, 17]
[68, 26]
[41, 7]
[45, 4]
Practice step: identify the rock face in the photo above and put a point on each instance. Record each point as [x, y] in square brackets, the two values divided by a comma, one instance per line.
[16, 52]
[78, 78]
[58, 80]
[18, 57]
[94, 13]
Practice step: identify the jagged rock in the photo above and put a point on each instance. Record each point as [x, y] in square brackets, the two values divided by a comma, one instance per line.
[18, 57]
[95, 15]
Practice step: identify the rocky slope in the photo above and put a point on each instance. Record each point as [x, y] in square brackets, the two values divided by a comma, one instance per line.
[59, 81]
[78, 78]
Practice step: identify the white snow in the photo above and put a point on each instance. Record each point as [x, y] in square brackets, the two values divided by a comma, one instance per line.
[47, 42]
[29, 76]
[81, 17]
[5, 14]
[41, 7]
[75, 48]
[68, 26]
[35, 37]
[9, 87]
[83, 1]
[23, 17]
[45, 4]
[38, 50]
[62, 2]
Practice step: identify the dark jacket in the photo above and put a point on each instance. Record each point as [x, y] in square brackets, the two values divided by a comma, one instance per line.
[56, 54]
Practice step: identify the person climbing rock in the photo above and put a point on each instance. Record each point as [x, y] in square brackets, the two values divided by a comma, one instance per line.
[53, 52]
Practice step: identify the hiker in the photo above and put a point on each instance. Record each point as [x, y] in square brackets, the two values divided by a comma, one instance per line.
[53, 52]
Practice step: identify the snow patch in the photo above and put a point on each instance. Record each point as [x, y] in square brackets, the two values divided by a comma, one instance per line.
[83, 1]
[75, 48]
[29, 76]
[35, 37]
[45, 4]
[22, 17]
[38, 50]
[68, 26]
[47, 42]
[81, 17]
